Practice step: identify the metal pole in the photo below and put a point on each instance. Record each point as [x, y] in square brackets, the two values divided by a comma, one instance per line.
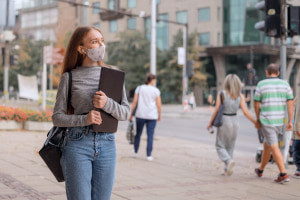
[283, 60]
[153, 38]
[44, 85]
[6, 63]
[7, 14]
[6, 70]
[184, 77]
[44, 82]
[283, 42]
[51, 77]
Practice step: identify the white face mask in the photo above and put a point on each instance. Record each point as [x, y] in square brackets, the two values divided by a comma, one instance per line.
[96, 54]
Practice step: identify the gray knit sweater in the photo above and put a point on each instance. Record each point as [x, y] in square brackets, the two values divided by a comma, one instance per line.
[85, 83]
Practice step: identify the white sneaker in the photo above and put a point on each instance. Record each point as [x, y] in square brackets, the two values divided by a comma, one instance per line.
[230, 168]
[149, 158]
[134, 154]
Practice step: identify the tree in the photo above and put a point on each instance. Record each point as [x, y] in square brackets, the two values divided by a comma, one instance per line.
[131, 54]
[170, 73]
[30, 59]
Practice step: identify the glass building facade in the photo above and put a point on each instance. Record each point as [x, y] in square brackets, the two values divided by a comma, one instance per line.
[162, 32]
[182, 16]
[239, 20]
[131, 23]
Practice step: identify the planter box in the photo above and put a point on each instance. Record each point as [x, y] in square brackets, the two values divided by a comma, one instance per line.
[37, 126]
[10, 125]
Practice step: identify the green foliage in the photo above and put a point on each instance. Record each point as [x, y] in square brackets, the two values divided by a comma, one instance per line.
[170, 73]
[131, 54]
[29, 59]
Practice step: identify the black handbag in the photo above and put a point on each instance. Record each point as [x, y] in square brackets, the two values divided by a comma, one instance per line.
[130, 132]
[218, 121]
[51, 151]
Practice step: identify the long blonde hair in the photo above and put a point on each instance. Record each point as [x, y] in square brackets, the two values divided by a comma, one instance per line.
[73, 58]
[233, 85]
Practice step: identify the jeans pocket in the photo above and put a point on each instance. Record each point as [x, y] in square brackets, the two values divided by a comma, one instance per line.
[75, 134]
[110, 136]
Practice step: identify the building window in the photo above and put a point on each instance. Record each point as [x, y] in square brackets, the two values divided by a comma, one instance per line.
[219, 39]
[131, 23]
[148, 28]
[219, 14]
[182, 17]
[111, 4]
[162, 33]
[204, 39]
[113, 26]
[96, 10]
[97, 24]
[131, 3]
[157, 1]
[204, 14]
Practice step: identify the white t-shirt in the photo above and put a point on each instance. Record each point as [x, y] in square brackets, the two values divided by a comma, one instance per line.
[147, 108]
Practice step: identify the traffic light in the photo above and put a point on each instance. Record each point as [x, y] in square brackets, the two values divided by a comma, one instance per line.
[272, 21]
[190, 68]
[13, 60]
[293, 21]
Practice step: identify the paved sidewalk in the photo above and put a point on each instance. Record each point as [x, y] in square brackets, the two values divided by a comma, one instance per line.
[180, 170]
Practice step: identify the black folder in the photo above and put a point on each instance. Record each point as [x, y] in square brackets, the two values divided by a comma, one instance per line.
[111, 83]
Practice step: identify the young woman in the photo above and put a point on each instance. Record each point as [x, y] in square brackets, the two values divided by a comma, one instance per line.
[227, 133]
[88, 157]
[148, 102]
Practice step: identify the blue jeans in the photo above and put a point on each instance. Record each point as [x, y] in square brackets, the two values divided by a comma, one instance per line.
[150, 125]
[88, 162]
[296, 153]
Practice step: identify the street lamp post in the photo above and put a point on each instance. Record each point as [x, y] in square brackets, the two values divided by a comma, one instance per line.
[6, 70]
[153, 38]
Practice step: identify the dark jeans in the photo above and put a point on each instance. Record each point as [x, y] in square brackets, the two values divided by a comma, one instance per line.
[150, 125]
[296, 153]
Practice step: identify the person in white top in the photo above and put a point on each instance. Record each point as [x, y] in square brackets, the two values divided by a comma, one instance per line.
[147, 106]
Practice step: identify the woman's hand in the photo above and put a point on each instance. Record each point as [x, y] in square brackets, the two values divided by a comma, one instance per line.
[99, 99]
[209, 126]
[130, 118]
[289, 126]
[94, 117]
[258, 124]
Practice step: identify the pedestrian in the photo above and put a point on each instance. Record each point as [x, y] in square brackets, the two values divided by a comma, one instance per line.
[191, 100]
[88, 157]
[148, 111]
[249, 80]
[227, 133]
[296, 140]
[271, 97]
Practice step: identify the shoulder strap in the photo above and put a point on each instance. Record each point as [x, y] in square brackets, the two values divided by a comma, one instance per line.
[69, 90]
[221, 96]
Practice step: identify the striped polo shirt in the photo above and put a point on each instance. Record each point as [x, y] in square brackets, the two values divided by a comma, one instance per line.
[273, 93]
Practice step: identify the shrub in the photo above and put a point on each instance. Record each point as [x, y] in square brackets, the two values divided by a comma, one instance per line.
[20, 115]
[10, 113]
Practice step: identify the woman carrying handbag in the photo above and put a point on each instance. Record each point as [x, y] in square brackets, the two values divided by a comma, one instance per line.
[88, 158]
[227, 132]
[148, 112]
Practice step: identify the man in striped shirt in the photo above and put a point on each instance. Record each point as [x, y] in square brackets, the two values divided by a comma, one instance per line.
[271, 97]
